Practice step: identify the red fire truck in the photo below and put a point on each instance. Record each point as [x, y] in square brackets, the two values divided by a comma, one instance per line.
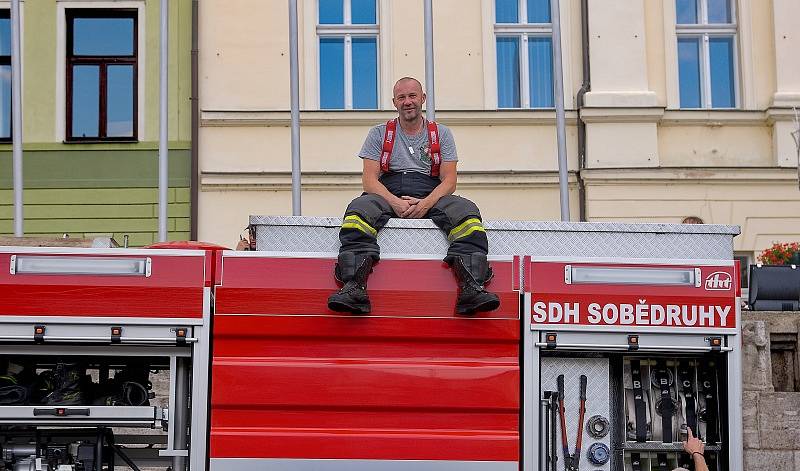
[611, 340]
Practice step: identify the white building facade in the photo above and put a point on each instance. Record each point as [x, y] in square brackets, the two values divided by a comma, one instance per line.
[687, 110]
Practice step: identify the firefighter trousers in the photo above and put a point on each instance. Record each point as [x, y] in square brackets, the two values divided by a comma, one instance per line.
[458, 217]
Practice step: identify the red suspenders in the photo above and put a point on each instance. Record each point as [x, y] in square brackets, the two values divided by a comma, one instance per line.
[435, 147]
[388, 144]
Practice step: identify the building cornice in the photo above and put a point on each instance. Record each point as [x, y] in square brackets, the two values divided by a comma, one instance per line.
[621, 115]
[781, 114]
[689, 175]
[279, 118]
[282, 181]
[264, 118]
[714, 118]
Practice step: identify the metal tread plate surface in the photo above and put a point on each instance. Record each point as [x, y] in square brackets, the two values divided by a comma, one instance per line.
[537, 238]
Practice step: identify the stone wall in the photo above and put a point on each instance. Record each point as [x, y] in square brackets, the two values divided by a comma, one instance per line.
[771, 398]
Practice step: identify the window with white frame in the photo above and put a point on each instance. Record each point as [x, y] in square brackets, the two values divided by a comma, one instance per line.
[707, 66]
[524, 42]
[348, 54]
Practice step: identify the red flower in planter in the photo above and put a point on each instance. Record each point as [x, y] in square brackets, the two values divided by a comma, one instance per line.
[785, 253]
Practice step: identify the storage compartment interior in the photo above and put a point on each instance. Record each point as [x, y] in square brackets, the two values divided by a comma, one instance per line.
[636, 409]
[87, 412]
[82, 380]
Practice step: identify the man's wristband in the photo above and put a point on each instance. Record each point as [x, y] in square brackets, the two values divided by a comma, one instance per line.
[698, 453]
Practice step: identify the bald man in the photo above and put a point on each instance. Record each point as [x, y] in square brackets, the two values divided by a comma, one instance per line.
[410, 172]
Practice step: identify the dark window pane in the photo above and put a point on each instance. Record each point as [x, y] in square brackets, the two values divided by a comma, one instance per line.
[506, 11]
[85, 100]
[540, 71]
[331, 12]
[365, 73]
[508, 72]
[5, 101]
[5, 37]
[331, 73]
[744, 268]
[719, 11]
[102, 37]
[538, 11]
[362, 12]
[723, 94]
[119, 101]
[689, 72]
[686, 11]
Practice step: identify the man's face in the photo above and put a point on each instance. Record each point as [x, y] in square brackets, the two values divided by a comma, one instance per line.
[408, 99]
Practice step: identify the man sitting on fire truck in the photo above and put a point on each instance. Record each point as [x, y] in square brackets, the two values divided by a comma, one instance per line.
[410, 172]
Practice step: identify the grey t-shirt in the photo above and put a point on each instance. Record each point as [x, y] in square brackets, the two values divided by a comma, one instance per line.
[410, 153]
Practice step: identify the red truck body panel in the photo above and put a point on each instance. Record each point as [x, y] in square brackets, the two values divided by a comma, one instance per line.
[710, 305]
[291, 379]
[173, 290]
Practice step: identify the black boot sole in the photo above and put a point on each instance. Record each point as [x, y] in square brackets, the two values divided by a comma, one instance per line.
[351, 308]
[476, 308]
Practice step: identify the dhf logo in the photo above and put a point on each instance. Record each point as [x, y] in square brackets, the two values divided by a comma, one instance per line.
[719, 281]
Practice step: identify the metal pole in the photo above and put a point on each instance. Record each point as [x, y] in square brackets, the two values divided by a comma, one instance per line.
[195, 180]
[430, 109]
[294, 85]
[16, 116]
[181, 423]
[558, 86]
[163, 152]
[796, 137]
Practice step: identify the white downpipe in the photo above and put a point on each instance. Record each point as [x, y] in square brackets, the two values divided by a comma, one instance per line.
[294, 85]
[558, 85]
[16, 116]
[430, 108]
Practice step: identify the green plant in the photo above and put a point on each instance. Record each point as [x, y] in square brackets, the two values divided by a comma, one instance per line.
[784, 253]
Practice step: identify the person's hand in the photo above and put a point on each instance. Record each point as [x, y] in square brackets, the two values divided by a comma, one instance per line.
[418, 209]
[244, 244]
[400, 205]
[695, 447]
[693, 444]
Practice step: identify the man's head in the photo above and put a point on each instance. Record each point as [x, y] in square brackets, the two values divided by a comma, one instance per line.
[408, 97]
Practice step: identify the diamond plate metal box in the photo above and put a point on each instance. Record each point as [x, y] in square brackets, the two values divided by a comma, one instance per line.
[537, 238]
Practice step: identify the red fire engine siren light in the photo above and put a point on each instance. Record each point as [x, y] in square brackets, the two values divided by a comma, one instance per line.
[42, 265]
[632, 276]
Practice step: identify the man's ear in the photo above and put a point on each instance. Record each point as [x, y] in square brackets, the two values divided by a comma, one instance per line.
[424, 97]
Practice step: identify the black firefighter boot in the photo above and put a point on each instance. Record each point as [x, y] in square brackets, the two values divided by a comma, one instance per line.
[472, 272]
[352, 270]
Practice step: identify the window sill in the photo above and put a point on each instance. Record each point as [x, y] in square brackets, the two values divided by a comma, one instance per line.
[714, 117]
[102, 141]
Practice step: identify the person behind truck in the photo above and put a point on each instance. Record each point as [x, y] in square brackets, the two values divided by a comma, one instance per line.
[409, 171]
